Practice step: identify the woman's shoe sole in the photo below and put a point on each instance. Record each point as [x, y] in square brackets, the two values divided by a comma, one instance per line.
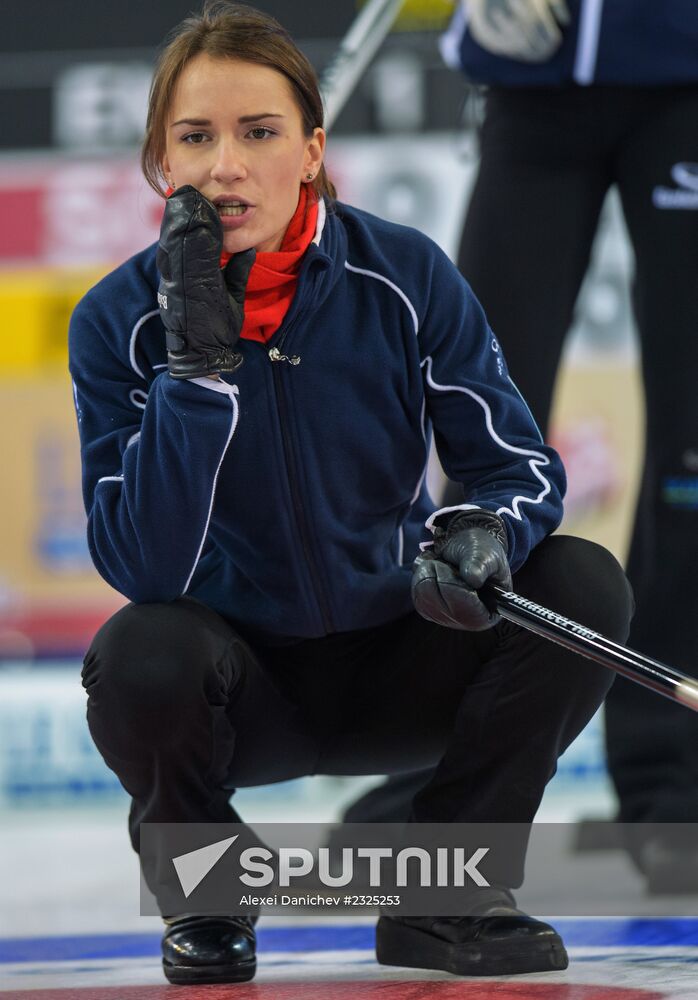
[398, 944]
[187, 975]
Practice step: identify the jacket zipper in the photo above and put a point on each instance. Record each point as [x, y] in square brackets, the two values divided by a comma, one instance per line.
[275, 354]
[305, 538]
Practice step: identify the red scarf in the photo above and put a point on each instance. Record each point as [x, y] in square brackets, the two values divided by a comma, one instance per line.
[274, 276]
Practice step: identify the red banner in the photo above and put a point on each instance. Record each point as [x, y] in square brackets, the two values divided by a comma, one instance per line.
[61, 212]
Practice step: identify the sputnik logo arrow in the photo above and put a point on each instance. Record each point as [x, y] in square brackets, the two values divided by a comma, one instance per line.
[191, 868]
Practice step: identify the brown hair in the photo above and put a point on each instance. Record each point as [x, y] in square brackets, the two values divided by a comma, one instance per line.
[227, 30]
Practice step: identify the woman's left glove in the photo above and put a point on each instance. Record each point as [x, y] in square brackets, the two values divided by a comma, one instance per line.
[469, 553]
[201, 305]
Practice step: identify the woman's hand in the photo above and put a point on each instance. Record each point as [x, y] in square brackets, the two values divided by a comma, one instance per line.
[201, 306]
[446, 579]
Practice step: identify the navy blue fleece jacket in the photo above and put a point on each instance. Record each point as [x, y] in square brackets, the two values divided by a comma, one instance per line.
[292, 498]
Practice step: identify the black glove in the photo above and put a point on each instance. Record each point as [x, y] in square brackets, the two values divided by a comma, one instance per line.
[470, 552]
[201, 305]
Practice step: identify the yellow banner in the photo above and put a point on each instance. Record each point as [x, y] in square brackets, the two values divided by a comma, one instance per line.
[423, 15]
[35, 306]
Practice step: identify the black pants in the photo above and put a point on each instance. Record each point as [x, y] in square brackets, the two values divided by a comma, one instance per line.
[184, 710]
[548, 157]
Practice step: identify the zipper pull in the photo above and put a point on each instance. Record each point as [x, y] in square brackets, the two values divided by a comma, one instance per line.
[276, 355]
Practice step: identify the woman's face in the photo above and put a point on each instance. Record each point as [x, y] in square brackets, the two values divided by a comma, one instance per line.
[235, 133]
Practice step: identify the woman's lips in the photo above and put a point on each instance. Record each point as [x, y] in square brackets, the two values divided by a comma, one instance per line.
[235, 221]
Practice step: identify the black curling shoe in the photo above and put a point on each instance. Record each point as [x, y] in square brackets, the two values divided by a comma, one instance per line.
[498, 941]
[200, 950]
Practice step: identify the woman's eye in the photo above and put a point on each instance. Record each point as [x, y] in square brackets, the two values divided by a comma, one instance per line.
[194, 138]
[260, 132]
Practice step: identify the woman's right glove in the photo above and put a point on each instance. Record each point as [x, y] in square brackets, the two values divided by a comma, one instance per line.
[527, 30]
[201, 305]
[446, 578]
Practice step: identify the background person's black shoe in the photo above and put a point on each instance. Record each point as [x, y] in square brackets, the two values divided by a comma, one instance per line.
[200, 950]
[499, 941]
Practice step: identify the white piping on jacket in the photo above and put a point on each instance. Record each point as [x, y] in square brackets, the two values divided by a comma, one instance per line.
[537, 459]
[228, 390]
[231, 391]
[132, 343]
[120, 478]
[418, 487]
[138, 397]
[216, 384]
[390, 284]
[588, 41]
[400, 544]
[426, 457]
[528, 408]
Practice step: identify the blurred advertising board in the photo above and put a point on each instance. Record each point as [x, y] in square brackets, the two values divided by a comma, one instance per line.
[68, 223]
[51, 599]
[74, 213]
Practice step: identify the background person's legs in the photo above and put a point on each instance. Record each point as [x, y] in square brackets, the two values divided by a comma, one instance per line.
[389, 802]
[531, 220]
[651, 743]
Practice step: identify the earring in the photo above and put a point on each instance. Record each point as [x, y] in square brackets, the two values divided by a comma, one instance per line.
[309, 177]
